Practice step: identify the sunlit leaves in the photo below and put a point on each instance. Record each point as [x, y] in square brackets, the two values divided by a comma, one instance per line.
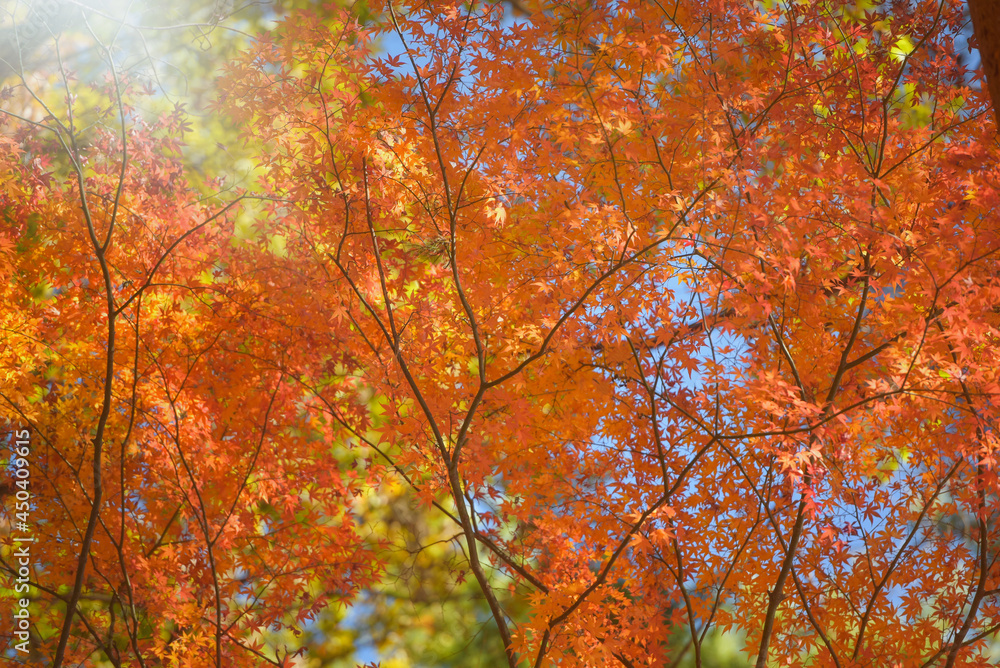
[658, 320]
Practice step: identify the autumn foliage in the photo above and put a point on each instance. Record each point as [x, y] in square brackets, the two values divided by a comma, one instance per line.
[683, 315]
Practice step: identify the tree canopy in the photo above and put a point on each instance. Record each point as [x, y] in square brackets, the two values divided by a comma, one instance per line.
[589, 330]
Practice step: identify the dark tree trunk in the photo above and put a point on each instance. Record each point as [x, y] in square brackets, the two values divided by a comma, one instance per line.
[986, 24]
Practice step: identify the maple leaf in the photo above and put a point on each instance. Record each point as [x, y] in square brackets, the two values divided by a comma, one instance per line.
[518, 320]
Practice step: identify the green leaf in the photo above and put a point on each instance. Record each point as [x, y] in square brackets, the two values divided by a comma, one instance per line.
[276, 244]
[903, 48]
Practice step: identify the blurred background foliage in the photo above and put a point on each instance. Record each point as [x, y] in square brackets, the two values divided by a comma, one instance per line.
[427, 610]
